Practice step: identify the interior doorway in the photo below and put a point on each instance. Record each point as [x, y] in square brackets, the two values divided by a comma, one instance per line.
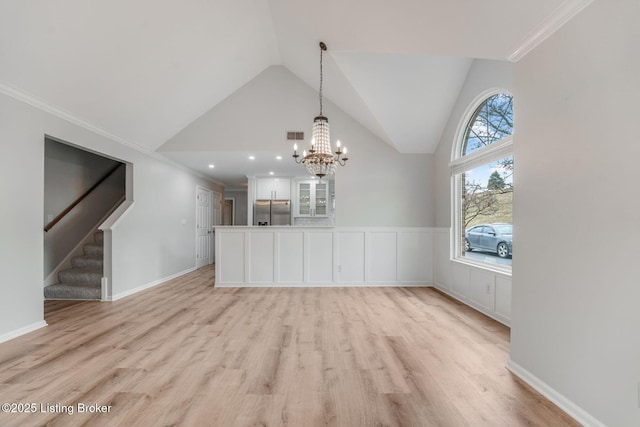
[228, 211]
[82, 191]
[204, 217]
[217, 219]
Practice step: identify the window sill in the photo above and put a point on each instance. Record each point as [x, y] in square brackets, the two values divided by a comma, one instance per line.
[503, 270]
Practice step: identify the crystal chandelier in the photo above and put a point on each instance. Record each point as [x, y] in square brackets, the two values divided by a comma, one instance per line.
[321, 161]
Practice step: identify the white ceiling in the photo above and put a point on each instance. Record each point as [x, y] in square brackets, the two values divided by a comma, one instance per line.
[143, 70]
[233, 167]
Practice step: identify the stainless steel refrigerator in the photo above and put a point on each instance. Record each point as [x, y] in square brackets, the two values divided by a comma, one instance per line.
[272, 212]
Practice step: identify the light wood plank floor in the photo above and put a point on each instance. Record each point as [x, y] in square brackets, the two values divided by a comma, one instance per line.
[186, 353]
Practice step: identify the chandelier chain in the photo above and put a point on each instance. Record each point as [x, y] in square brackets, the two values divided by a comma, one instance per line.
[321, 81]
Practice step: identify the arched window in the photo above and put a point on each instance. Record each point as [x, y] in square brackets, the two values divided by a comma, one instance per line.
[490, 122]
[482, 170]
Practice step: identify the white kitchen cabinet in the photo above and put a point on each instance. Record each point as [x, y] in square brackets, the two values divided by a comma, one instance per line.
[313, 199]
[273, 188]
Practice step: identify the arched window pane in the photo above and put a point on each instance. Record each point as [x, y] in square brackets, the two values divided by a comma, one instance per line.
[484, 186]
[492, 121]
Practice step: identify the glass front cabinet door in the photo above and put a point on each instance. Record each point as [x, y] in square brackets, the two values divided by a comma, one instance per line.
[313, 198]
[320, 208]
[304, 199]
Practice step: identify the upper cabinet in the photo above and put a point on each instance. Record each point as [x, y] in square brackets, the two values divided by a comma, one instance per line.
[313, 199]
[273, 188]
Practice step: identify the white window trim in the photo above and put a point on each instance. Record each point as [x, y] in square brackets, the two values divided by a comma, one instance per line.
[494, 268]
[496, 151]
[459, 164]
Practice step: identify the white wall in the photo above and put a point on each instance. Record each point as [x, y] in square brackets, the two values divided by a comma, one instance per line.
[156, 239]
[21, 207]
[379, 186]
[150, 242]
[576, 288]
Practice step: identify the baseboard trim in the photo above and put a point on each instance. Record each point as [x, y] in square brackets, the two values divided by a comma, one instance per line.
[322, 285]
[22, 331]
[466, 301]
[573, 410]
[150, 285]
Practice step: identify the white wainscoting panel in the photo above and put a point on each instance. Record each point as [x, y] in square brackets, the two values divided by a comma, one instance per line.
[261, 256]
[382, 250]
[319, 250]
[482, 288]
[460, 281]
[442, 255]
[350, 256]
[290, 257]
[230, 257]
[415, 256]
[503, 297]
[324, 256]
[485, 290]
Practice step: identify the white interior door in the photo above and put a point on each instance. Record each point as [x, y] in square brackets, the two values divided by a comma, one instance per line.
[216, 206]
[203, 226]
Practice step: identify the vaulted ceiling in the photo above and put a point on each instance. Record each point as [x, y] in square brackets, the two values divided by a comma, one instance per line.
[143, 70]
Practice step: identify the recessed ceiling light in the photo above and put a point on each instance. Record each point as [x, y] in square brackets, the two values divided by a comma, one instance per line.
[212, 166]
[278, 157]
[270, 173]
[252, 157]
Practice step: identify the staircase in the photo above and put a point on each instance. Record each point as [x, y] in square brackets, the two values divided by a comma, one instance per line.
[83, 280]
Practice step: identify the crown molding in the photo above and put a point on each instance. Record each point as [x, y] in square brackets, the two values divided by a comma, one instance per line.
[43, 105]
[552, 23]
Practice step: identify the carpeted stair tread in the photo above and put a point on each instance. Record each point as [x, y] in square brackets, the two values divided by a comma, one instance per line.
[84, 279]
[73, 291]
[88, 261]
[80, 275]
[93, 249]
